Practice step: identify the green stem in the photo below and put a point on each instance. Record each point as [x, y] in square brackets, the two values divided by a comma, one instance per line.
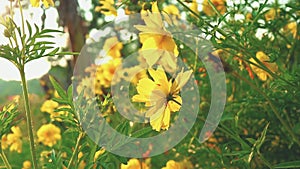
[277, 114]
[4, 159]
[28, 118]
[75, 151]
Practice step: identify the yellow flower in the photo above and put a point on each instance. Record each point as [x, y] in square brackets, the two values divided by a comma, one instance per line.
[220, 6]
[132, 74]
[271, 14]
[248, 16]
[49, 106]
[158, 44]
[106, 7]
[98, 153]
[8, 108]
[14, 139]
[134, 164]
[48, 134]
[26, 164]
[161, 96]
[262, 57]
[104, 74]
[172, 10]
[56, 115]
[292, 29]
[171, 164]
[47, 3]
[194, 7]
[4, 142]
[185, 164]
[113, 47]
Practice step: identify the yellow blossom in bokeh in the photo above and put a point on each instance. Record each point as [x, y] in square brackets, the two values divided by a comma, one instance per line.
[48, 134]
[158, 44]
[56, 115]
[220, 6]
[105, 72]
[291, 28]
[113, 47]
[271, 14]
[248, 16]
[185, 164]
[132, 74]
[161, 96]
[171, 164]
[4, 142]
[49, 106]
[26, 164]
[14, 139]
[194, 7]
[106, 7]
[172, 10]
[99, 153]
[134, 164]
[262, 74]
[47, 3]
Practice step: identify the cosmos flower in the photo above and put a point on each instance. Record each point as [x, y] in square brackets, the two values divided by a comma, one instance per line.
[158, 44]
[161, 96]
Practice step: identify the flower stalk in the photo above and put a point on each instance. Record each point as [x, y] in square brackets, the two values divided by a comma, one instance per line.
[80, 136]
[4, 159]
[28, 117]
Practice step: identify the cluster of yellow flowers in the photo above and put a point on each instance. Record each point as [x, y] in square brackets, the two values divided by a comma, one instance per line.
[100, 76]
[49, 106]
[49, 134]
[171, 164]
[14, 140]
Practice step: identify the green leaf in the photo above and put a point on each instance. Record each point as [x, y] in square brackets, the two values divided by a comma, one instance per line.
[143, 132]
[60, 101]
[29, 28]
[291, 164]
[262, 138]
[53, 52]
[59, 89]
